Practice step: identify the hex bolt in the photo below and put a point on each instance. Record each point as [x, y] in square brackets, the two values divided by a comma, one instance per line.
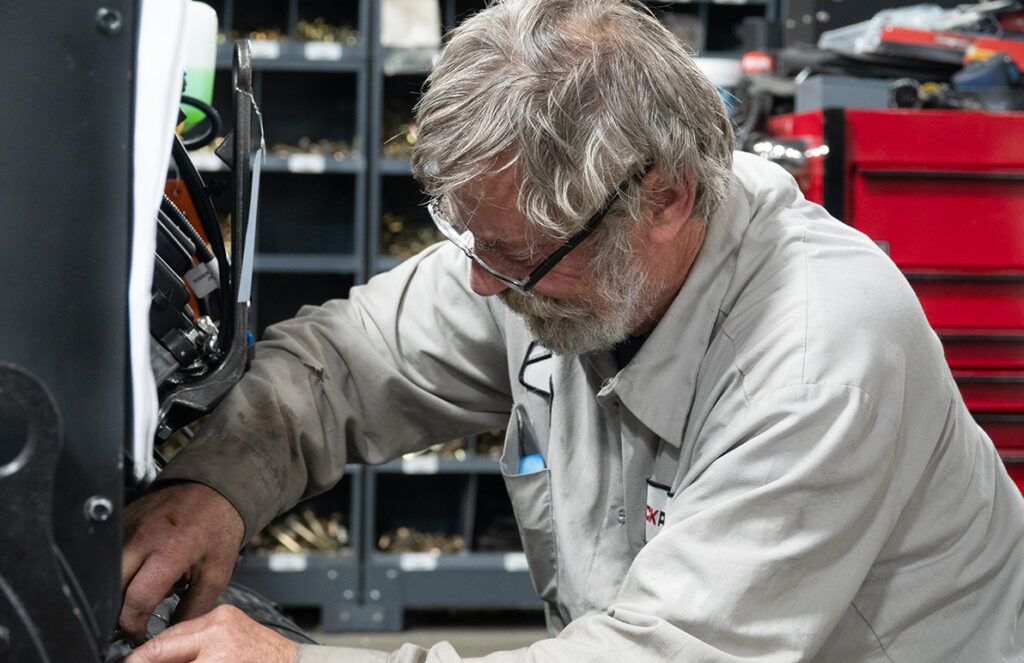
[108, 21]
[98, 509]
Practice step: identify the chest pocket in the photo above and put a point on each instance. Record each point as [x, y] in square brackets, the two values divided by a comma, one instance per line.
[530, 494]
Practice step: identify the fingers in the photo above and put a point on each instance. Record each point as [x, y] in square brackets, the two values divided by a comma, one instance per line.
[181, 643]
[147, 588]
[224, 635]
[185, 530]
[204, 588]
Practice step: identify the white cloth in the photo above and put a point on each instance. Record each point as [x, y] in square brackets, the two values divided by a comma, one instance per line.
[831, 499]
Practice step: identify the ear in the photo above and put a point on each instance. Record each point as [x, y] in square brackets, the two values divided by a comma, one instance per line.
[675, 205]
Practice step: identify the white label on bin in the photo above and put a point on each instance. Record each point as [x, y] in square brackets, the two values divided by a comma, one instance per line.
[420, 465]
[287, 562]
[514, 562]
[322, 50]
[207, 161]
[307, 163]
[262, 49]
[417, 561]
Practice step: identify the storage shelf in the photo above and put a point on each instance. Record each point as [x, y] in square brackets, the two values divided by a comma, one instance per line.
[428, 464]
[394, 166]
[313, 164]
[307, 263]
[407, 61]
[310, 164]
[299, 56]
[508, 562]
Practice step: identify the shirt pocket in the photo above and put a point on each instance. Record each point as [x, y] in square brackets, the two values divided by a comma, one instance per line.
[530, 495]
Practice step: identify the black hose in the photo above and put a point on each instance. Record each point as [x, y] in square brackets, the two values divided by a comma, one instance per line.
[208, 220]
[212, 117]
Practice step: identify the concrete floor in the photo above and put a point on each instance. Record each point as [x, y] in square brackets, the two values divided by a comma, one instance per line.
[471, 633]
[468, 641]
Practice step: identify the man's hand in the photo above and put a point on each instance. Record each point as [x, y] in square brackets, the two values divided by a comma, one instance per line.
[225, 635]
[185, 531]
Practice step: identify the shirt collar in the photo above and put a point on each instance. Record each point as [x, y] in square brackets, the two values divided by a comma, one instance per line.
[658, 385]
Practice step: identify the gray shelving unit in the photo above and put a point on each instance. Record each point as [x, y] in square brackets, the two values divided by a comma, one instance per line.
[466, 496]
[321, 233]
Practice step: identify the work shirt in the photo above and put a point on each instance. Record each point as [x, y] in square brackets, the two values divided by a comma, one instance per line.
[785, 471]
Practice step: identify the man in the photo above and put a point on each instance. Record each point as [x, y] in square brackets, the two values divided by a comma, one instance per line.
[752, 447]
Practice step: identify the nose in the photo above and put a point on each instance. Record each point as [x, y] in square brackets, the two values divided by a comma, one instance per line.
[482, 283]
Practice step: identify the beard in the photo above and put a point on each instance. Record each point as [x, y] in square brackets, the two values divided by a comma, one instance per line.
[622, 300]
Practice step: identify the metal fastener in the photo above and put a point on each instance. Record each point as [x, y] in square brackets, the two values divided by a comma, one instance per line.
[620, 515]
[374, 594]
[108, 21]
[98, 509]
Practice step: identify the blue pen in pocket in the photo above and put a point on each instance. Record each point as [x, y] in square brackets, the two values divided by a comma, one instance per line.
[530, 457]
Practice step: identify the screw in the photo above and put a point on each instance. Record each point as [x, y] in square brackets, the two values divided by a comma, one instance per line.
[374, 594]
[378, 617]
[108, 21]
[332, 574]
[98, 509]
[348, 595]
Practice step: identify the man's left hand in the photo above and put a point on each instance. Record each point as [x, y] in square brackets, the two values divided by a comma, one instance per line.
[224, 635]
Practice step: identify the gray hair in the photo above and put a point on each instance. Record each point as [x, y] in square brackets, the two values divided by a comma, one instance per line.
[577, 96]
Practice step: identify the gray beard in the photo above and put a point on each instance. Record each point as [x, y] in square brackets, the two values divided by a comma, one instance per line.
[621, 302]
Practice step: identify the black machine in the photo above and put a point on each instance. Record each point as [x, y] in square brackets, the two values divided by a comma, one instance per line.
[66, 460]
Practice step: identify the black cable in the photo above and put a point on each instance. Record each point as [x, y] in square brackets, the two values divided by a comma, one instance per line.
[208, 220]
[212, 117]
[168, 207]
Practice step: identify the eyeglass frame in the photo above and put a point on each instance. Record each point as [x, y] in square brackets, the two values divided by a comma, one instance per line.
[525, 285]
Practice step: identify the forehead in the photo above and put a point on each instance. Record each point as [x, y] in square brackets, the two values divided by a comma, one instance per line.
[488, 207]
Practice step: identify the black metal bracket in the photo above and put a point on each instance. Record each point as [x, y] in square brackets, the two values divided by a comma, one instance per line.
[201, 396]
[42, 616]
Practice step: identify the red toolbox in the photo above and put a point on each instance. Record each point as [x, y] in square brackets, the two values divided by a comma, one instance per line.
[943, 193]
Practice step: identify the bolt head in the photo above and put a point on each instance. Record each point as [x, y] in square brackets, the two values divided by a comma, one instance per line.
[98, 509]
[108, 21]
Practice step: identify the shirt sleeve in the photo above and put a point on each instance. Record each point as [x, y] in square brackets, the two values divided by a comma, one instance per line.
[763, 549]
[410, 359]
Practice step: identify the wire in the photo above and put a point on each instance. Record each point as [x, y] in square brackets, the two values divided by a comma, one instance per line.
[212, 117]
[208, 219]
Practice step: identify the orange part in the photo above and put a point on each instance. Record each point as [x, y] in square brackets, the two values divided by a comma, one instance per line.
[176, 191]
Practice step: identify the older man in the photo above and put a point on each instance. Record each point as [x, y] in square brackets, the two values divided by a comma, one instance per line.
[752, 449]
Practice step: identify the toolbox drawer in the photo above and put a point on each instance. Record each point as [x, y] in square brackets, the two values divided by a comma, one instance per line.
[974, 350]
[1006, 431]
[971, 302]
[972, 221]
[991, 391]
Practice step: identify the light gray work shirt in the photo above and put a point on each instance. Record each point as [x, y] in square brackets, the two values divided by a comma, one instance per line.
[784, 472]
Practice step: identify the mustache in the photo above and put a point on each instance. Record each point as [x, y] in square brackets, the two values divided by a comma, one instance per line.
[542, 306]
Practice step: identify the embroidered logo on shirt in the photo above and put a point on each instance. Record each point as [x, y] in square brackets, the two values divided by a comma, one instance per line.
[538, 366]
[658, 496]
